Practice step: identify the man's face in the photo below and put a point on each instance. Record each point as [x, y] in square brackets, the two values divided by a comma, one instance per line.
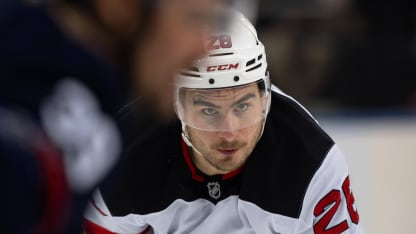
[236, 114]
[175, 39]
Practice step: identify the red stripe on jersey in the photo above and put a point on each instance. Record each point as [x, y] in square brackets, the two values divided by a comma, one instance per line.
[145, 230]
[230, 175]
[57, 194]
[93, 228]
[97, 208]
[190, 164]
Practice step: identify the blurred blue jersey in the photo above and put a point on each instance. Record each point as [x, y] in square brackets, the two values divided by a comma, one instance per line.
[36, 54]
[58, 139]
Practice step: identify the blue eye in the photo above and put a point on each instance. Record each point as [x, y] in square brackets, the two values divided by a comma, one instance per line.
[242, 107]
[209, 111]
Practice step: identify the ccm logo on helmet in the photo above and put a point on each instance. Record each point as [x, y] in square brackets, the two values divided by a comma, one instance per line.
[222, 67]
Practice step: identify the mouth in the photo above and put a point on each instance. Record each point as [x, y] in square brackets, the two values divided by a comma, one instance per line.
[227, 152]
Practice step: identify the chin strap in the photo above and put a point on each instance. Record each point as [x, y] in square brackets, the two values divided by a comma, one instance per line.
[265, 112]
[262, 128]
[186, 139]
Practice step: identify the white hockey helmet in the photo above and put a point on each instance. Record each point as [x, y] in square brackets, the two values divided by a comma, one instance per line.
[236, 61]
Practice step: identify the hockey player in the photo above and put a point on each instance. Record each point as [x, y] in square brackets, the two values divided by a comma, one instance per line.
[64, 69]
[243, 157]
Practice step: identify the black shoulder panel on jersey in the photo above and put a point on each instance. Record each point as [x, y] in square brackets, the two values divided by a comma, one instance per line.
[286, 158]
[147, 178]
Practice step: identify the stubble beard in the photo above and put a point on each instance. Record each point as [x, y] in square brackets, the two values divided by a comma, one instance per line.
[225, 164]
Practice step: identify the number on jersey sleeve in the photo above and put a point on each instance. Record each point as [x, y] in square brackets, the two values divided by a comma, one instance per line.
[328, 207]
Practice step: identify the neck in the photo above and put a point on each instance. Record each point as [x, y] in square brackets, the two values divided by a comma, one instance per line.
[84, 29]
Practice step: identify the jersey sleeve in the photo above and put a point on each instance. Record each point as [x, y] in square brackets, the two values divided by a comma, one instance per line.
[98, 220]
[329, 204]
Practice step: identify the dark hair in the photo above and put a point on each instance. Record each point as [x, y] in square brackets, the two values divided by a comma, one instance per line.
[261, 86]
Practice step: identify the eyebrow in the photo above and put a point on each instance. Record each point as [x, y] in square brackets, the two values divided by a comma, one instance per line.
[244, 98]
[200, 102]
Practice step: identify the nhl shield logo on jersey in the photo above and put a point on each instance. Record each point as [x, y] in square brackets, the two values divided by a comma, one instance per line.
[214, 190]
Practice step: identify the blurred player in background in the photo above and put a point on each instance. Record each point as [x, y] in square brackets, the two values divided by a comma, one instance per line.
[66, 68]
[243, 157]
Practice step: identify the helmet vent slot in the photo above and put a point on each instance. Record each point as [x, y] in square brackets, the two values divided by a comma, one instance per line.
[254, 68]
[194, 69]
[221, 54]
[189, 74]
[251, 62]
[260, 57]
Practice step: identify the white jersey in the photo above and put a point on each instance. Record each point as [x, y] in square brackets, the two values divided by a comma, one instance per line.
[295, 181]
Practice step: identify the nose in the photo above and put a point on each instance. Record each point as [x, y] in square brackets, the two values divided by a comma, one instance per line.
[228, 127]
[227, 135]
[229, 121]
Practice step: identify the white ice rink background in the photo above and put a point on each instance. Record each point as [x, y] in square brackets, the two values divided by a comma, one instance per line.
[381, 153]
